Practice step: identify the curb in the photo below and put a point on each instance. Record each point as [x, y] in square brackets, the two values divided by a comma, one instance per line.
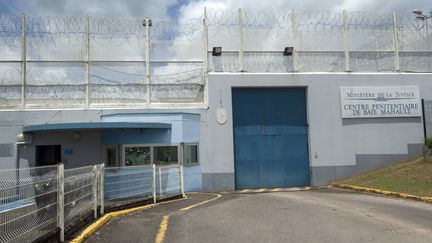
[267, 190]
[86, 233]
[383, 192]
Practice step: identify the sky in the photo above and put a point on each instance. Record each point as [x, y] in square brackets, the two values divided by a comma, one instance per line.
[183, 8]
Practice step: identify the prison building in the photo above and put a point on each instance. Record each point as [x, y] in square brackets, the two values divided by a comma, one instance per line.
[242, 99]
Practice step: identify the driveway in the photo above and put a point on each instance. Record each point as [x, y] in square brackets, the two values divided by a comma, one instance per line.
[326, 215]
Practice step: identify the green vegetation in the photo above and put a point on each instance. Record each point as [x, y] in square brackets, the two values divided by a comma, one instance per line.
[412, 177]
[428, 142]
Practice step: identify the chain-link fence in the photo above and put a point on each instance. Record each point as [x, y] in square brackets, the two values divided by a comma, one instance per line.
[36, 202]
[48, 61]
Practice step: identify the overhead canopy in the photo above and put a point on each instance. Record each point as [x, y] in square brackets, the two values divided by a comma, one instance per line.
[95, 126]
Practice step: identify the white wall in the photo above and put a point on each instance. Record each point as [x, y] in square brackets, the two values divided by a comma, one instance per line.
[333, 141]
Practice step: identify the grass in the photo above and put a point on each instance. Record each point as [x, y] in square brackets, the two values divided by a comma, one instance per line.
[412, 177]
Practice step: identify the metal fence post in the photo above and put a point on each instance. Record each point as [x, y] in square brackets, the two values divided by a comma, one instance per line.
[395, 43]
[23, 62]
[205, 56]
[160, 181]
[154, 183]
[94, 187]
[88, 62]
[294, 37]
[181, 181]
[148, 66]
[241, 52]
[102, 188]
[60, 200]
[346, 41]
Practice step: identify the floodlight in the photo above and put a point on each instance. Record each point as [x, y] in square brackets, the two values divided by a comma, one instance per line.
[150, 22]
[288, 51]
[417, 12]
[217, 51]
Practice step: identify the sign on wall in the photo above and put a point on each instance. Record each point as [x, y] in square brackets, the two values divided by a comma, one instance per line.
[383, 101]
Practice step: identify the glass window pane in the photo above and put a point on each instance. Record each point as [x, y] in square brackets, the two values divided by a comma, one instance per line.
[137, 155]
[165, 155]
[190, 154]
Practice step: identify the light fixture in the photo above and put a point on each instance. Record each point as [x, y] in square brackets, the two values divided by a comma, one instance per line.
[417, 12]
[419, 15]
[150, 22]
[20, 138]
[217, 51]
[288, 51]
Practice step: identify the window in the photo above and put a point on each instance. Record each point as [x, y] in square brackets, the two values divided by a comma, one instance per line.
[135, 155]
[165, 155]
[190, 154]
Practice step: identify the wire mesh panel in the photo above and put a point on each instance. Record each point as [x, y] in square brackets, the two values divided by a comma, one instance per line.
[120, 39]
[129, 182]
[319, 41]
[177, 82]
[10, 85]
[371, 41]
[223, 31]
[267, 30]
[173, 40]
[118, 83]
[79, 197]
[10, 37]
[415, 43]
[55, 84]
[168, 181]
[28, 203]
[56, 38]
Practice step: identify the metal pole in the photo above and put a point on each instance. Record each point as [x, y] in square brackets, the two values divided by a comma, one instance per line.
[154, 183]
[395, 43]
[60, 200]
[102, 189]
[147, 50]
[424, 120]
[205, 56]
[23, 62]
[160, 182]
[88, 63]
[241, 52]
[94, 187]
[181, 181]
[345, 39]
[294, 37]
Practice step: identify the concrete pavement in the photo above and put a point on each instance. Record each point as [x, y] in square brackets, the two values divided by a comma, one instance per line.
[304, 216]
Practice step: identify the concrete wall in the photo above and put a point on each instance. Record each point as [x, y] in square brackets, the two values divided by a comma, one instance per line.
[86, 150]
[337, 147]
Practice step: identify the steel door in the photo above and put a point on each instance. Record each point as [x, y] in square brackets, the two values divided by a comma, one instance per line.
[270, 137]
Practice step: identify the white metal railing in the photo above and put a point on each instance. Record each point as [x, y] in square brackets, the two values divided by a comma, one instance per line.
[36, 201]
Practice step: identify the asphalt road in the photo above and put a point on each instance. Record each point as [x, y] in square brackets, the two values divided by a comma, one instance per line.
[302, 216]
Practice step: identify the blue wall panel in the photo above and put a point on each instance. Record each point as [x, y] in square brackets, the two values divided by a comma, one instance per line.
[271, 140]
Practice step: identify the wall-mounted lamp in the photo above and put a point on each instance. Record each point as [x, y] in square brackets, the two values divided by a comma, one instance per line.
[217, 51]
[150, 22]
[288, 51]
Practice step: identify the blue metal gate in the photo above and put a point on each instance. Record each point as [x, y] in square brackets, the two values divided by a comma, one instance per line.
[270, 137]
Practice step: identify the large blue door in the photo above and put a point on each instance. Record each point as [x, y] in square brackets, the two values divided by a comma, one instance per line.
[270, 137]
